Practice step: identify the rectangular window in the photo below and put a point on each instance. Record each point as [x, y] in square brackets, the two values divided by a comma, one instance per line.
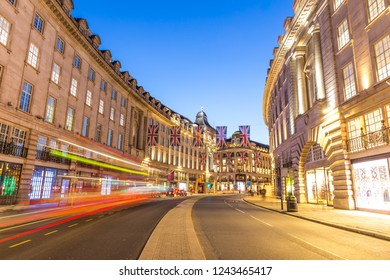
[343, 34]
[18, 137]
[4, 30]
[123, 102]
[109, 137]
[373, 121]
[120, 142]
[98, 136]
[39, 23]
[113, 94]
[103, 85]
[50, 109]
[69, 119]
[4, 130]
[375, 7]
[33, 53]
[112, 113]
[91, 75]
[88, 99]
[349, 82]
[55, 74]
[60, 45]
[77, 62]
[122, 120]
[25, 98]
[337, 4]
[382, 57]
[73, 87]
[85, 130]
[101, 106]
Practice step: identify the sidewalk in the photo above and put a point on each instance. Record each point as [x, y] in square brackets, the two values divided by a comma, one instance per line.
[368, 223]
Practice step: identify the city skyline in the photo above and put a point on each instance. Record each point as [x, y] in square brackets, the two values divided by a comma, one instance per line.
[195, 55]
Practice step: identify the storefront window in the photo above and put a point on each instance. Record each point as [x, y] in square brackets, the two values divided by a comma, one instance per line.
[372, 184]
[319, 186]
[9, 181]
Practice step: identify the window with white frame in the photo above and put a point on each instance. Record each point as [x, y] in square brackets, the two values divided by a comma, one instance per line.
[343, 34]
[88, 98]
[60, 45]
[4, 30]
[101, 106]
[388, 114]
[4, 130]
[25, 97]
[122, 120]
[69, 119]
[39, 23]
[85, 129]
[373, 121]
[354, 128]
[349, 81]
[375, 7]
[55, 74]
[337, 3]
[18, 136]
[112, 113]
[382, 57]
[77, 62]
[73, 87]
[109, 137]
[50, 109]
[33, 53]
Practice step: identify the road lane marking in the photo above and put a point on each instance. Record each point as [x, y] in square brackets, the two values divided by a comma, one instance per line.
[73, 225]
[12, 246]
[240, 210]
[319, 248]
[88, 220]
[54, 231]
[261, 221]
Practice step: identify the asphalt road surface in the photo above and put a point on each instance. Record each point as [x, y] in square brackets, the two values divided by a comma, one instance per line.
[230, 229]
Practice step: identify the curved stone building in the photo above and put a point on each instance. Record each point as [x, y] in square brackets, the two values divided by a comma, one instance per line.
[327, 104]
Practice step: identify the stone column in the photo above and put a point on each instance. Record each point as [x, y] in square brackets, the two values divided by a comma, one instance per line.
[318, 68]
[301, 82]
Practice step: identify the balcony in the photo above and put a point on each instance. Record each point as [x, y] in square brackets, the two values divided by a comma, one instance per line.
[13, 149]
[45, 155]
[369, 140]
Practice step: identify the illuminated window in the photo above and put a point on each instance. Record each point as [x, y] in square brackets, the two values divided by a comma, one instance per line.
[50, 109]
[354, 128]
[25, 98]
[33, 53]
[4, 130]
[112, 113]
[382, 57]
[122, 120]
[69, 119]
[101, 106]
[60, 45]
[375, 7]
[337, 4]
[4, 30]
[55, 74]
[373, 121]
[388, 113]
[349, 81]
[343, 34]
[73, 87]
[88, 99]
[38, 23]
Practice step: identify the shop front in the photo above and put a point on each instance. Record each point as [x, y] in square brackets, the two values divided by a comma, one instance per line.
[371, 181]
[9, 182]
[319, 184]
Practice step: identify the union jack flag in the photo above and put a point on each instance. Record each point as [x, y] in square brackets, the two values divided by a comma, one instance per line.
[153, 135]
[242, 156]
[257, 157]
[175, 136]
[202, 158]
[221, 136]
[198, 136]
[228, 158]
[245, 133]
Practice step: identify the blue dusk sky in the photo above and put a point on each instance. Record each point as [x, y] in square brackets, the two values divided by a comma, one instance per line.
[195, 53]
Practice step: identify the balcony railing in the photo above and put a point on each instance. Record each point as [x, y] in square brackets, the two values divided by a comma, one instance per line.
[369, 140]
[13, 149]
[45, 155]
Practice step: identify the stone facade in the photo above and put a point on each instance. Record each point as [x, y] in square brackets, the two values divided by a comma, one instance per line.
[327, 104]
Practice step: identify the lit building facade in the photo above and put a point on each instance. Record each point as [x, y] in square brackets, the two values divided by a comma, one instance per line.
[239, 168]
[327, 104]
[71, 121]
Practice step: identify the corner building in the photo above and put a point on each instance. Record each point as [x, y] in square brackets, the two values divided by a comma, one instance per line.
[327, 104]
